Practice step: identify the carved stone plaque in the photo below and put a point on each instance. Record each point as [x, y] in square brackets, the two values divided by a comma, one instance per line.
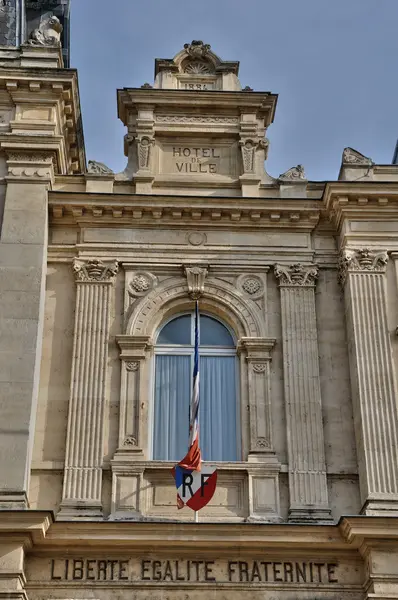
[198, 159]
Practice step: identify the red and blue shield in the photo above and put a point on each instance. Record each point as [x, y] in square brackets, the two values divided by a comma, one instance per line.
[195, 488]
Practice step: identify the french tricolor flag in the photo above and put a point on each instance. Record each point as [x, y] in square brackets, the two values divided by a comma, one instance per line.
[193, 459]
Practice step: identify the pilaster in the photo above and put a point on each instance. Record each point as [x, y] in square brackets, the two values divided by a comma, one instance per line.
[84, 445]
[374, 390]
[257, 352]
[307, 469]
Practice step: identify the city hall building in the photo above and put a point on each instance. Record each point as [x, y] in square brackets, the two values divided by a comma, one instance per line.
[99, 273]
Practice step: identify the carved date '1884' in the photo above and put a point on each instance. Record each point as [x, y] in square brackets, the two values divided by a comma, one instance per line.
[255, 571]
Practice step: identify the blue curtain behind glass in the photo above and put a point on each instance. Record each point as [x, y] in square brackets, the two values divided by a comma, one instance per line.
[217, 416]
[217, 410]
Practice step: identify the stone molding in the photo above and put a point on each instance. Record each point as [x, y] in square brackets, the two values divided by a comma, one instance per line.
[361, 260]
[218, 295]
[94, 270]
[196, 276]
[200, 120]
[296, 275]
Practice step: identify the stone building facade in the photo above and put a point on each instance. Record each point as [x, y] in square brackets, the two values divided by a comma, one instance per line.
[297, 284]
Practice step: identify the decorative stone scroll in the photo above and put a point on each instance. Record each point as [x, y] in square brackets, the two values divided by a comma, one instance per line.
[196, 281]
[374, 390]
[307, 468]
[294, 174]
[353, 157]
[249, 148]
[84, 443]
[98, 168]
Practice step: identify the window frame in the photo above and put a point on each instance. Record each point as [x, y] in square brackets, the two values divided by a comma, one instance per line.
[185, 350]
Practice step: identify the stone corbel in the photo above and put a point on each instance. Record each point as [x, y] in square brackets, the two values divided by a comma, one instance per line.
[145, 144]
[249, 147]
[132, 416]
[258, 357]
[195, 280]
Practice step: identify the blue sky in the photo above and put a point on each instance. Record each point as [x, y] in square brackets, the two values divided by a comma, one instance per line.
[334, 64]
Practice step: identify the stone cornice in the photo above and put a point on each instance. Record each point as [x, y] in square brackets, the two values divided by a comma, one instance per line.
[360, 201]
[111, 209]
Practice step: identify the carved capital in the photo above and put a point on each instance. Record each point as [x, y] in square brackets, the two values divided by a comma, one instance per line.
[196, 281]
[296, 275]
[95, 271]
[41, 165]
[361, 261]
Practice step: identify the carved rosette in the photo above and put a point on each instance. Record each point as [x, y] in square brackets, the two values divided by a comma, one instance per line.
[95, 271]
[252, 285]
[361, 261]
[296, 275]
[196, 281]
[132, 365]
[145, 144]
[140, 283]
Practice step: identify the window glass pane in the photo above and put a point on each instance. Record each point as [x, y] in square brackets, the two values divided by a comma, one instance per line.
[213, 333]
[172, 400]
[217, 409]
[177, 331]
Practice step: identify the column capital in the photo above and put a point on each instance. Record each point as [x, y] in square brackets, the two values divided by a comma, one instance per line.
[94, 270]
[296, 275]
[361, 260]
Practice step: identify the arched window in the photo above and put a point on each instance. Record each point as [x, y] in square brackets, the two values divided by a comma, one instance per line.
[218, 422]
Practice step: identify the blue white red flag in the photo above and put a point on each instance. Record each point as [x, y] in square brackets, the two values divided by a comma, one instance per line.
[193, 459]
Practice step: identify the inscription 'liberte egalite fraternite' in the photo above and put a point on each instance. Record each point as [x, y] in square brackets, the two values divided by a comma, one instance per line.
[210, 571]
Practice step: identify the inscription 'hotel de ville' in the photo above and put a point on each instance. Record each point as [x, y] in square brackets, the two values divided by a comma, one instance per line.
[297, 287]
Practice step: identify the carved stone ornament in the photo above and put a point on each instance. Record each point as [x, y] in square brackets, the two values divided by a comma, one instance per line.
[95, 271]
[259, 367]
[145, 144]
[196, 281]
[252, 285]
[263, 443]
[146, 86]
[98, 168]
[141, 283]
[47, 34]
[130, 441]
[353, 157]
[132, 366]
[294, 174]
[296, 275]
[361, 261]
[197, 119]
[198, 68]
[197, 49]
[249, 147]
[247, 88]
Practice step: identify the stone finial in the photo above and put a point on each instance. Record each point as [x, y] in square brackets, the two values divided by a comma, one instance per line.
[47, 34]
[296, 275]
[361, 260]
[293, 174]
[353, 157]
[197, 49]
[196, 281]
[98, 168]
